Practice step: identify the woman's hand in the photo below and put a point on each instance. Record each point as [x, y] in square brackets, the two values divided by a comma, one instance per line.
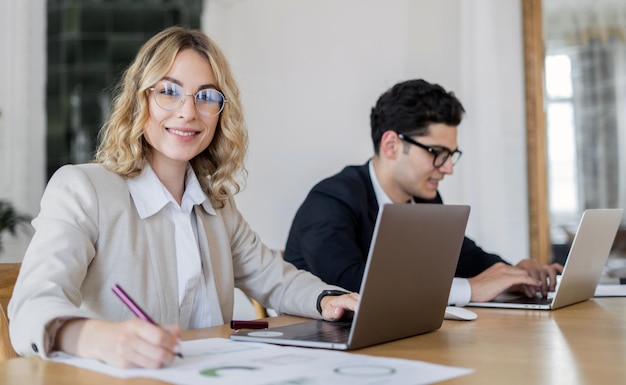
[132, 343]
[335, 307]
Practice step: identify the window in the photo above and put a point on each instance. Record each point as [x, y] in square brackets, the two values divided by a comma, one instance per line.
[89, 44]
[561, 140]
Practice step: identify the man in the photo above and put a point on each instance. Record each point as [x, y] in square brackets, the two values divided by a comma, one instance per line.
[414, 132]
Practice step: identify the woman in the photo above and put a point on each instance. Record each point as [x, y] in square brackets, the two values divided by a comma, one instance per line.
[155, 214]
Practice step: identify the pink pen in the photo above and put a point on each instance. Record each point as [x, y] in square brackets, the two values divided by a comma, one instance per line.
[134, 307]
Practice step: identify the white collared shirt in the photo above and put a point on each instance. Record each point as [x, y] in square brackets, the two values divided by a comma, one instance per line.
[461, 291]
[150, 196]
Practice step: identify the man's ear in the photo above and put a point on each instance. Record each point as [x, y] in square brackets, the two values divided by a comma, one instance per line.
[390, 145]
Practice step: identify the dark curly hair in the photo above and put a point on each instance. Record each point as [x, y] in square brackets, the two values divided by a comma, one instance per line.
[410, 107]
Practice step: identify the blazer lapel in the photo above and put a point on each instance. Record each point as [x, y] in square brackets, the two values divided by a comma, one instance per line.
[210, 251]
[163, 267]
[372, 204]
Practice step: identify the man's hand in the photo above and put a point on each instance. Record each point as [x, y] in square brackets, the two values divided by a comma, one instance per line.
[546, 274]
[334, 307]
[498, 278]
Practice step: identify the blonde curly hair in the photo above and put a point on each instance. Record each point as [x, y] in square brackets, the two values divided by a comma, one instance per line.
[122, 147]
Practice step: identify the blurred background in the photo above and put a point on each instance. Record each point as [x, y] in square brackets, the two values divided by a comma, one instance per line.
[309, 72]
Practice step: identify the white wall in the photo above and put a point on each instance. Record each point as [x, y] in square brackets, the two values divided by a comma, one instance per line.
[22, 112]
[310, 71]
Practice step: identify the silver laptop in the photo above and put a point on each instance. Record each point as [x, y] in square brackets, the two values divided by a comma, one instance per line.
[583, 268]
[412, 259]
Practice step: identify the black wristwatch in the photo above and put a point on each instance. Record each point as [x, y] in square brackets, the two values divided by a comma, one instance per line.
[326, 293]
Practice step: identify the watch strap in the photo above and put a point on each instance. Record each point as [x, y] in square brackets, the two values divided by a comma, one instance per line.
[326, 293]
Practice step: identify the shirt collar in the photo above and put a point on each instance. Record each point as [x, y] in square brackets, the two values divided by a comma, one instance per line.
[150, 195]
[193, 194]
[381, 197]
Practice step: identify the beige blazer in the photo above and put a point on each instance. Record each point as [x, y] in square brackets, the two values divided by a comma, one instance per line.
[88, 237]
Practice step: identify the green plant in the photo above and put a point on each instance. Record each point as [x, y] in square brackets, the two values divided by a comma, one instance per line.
[10, 219]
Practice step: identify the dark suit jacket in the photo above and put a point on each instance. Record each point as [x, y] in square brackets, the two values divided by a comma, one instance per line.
[332, 230]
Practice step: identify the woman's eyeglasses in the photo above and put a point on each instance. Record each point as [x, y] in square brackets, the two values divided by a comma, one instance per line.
[170, 96]
[441, 156]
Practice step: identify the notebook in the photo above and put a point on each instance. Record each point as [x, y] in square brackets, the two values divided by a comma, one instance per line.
[411, 262]
[587, 257]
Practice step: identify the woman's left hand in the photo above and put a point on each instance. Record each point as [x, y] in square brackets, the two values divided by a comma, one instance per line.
[335, 307]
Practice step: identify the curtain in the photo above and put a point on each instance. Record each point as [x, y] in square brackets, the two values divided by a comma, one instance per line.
[595, 116]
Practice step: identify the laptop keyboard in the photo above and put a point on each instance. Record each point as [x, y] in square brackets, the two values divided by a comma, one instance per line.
[332, 332]
[537, 300]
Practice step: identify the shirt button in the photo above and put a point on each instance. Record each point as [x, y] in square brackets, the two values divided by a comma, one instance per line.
[34, 347]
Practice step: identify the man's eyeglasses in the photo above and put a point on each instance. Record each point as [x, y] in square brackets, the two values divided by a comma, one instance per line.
[170, 96]
[441, 155]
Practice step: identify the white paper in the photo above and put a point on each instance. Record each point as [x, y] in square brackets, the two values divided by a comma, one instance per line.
[610, 290]
[220, 361]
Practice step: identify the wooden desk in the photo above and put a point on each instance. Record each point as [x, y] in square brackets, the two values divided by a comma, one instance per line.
[580, 344]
